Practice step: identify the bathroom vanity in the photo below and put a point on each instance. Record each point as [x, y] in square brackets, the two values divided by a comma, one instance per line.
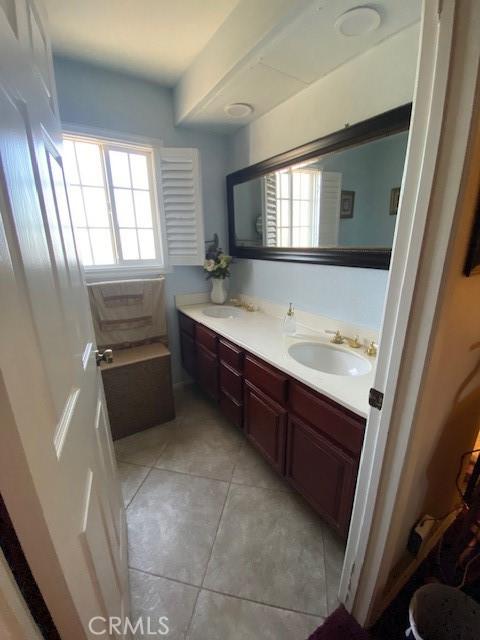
[307, 436]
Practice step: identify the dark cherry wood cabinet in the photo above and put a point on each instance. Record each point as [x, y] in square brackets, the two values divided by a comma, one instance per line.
[311, 440]
[207, 372]
[189, 356]
[322, 472]
[265, 425]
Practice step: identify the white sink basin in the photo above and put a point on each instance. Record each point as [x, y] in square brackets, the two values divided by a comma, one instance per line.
[221, 312]
[329, 359]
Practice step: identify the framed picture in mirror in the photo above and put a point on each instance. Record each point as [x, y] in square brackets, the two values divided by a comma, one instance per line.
[394, 199]
[347, 201]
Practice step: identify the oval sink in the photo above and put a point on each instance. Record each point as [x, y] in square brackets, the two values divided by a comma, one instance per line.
[329, 359]
[221, 312]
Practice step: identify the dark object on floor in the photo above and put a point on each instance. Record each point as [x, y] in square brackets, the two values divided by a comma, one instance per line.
[340, 625]
[443, 612]
[138, 388]
[394, 620]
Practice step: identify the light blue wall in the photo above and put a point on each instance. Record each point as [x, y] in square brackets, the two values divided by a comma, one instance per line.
[344, 293]
[97, 97]
[371, 170]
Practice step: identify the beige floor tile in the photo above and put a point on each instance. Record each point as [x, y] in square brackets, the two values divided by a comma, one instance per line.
[172, 523]
[131, 477]
[144, 447]
[190, 401]
[219, 617]
[269, 548]
[334, 557]
[251, 469]
[204, 448]
[153, 598]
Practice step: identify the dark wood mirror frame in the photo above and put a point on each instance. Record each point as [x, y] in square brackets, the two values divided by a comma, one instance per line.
[385, 124]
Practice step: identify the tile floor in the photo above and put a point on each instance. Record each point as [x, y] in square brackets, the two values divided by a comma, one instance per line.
[218, 542]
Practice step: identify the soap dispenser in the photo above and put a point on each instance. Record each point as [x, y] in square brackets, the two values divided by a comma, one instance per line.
[289, 322]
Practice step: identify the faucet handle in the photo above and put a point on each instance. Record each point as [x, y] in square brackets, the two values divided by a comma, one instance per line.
[372, 348]
[353, 342]
[337, 336]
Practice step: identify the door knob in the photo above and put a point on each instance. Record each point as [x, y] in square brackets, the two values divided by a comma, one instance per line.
[103, 356]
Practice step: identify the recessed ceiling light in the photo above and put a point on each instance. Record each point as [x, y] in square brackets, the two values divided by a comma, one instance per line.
[238, 110]
[358, 21]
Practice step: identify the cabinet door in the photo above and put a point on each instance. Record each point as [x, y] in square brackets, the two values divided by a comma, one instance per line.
[187, 345]
[324, 474]
[265, 425]
[207, 372]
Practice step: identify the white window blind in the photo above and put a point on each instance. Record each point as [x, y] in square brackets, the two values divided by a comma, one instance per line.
[270, 210]
[182, 205]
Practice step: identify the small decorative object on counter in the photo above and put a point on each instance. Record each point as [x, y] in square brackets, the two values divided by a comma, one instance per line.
[217, 268]
[289, 322]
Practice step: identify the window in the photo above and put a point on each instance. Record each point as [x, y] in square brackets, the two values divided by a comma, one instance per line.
[296, 217]
[112, 201]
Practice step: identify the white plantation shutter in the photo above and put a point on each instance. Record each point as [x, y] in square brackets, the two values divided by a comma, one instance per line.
[182, 206]
[330, 192]
[270, 210]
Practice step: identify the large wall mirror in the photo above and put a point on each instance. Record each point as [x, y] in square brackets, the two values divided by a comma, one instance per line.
[332, 201]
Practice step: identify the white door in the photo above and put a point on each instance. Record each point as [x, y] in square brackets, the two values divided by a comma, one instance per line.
[48, 376]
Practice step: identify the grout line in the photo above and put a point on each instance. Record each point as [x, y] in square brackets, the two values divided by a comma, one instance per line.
[266, 604]
[256, 486]
[187, 633]
[191, 475]
[138, 489]
[230, 595]
[134, 464]
[216, 534]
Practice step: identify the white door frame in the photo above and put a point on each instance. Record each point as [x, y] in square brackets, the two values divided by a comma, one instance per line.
[425, 132]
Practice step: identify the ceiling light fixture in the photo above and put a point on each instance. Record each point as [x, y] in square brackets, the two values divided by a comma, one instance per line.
[358, 21]
[238, 110]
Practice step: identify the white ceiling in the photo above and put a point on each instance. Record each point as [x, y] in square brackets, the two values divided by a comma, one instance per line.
[291, 44]
[292, 58]
[156, 39]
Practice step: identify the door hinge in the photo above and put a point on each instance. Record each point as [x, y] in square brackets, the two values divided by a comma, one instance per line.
[375, 399]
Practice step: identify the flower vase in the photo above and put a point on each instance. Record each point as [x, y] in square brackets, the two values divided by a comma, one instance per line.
[218, 294]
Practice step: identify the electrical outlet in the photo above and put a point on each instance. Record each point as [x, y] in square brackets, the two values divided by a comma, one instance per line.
[419, 533]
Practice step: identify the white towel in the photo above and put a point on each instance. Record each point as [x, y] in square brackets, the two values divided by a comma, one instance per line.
[128, 312]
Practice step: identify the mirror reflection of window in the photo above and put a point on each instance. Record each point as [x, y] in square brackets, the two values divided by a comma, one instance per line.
[341, 199]
[301, 208]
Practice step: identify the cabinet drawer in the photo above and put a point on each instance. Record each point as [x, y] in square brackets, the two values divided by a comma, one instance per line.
[266, 378]
[265, 424]
[186, 324]
[230, 354]
[323, 473]
[232, 409]
[338, 424]
[231, 381]
[207, 338]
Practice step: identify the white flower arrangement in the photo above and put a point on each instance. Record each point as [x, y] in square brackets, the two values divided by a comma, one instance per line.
[218, 267]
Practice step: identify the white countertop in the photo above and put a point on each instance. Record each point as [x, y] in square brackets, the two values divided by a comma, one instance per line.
[262, 335]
